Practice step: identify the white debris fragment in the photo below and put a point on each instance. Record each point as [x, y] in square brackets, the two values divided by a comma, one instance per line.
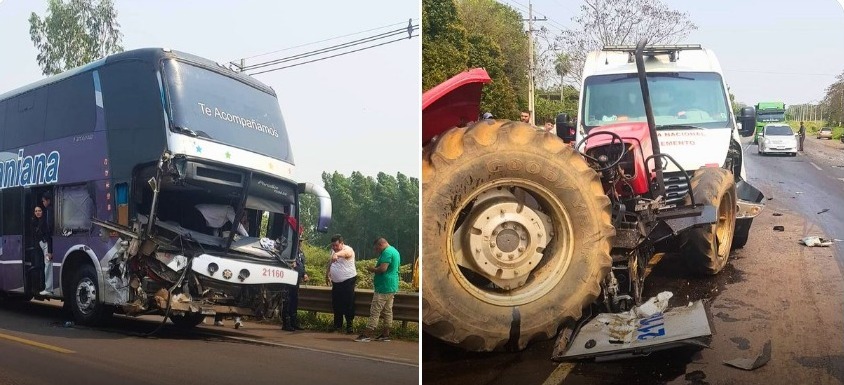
[815, 241]
[654, 305]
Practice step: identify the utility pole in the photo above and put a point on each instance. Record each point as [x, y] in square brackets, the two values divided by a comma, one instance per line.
[531, 66]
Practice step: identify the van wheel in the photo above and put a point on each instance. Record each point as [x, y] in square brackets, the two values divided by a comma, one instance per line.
[707, 248]
[85, 299]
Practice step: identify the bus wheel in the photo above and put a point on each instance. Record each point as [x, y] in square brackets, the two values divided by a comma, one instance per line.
[84, 298]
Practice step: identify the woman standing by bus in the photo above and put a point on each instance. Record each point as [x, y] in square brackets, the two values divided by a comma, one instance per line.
[43, 239]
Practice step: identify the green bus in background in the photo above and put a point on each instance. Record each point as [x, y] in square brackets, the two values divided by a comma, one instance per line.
[768, 112]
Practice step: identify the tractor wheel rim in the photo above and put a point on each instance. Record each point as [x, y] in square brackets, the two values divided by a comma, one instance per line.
[506, 256]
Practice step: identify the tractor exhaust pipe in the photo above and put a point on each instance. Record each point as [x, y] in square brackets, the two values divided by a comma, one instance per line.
[659, 189]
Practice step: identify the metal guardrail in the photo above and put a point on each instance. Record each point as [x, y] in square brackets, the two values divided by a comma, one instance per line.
[318, 299]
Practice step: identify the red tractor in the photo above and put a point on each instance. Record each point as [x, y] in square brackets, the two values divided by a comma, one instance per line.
[522, 230]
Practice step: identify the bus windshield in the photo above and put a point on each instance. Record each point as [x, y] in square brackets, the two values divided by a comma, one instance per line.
[770, 116]
[678, 99]
[213, 106]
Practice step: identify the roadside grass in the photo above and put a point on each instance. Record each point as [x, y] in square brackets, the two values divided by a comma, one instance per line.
[812, 128]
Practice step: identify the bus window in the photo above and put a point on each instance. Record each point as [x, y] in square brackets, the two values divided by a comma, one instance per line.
[13, 218]
[25, 119]
[74, 206]
[71, 108]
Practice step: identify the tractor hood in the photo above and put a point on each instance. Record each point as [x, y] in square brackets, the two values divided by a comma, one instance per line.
[455, 102]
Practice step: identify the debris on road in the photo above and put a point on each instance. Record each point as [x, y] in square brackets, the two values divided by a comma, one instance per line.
[777, 214]
[816, 242]
[748, 364]
[639, 331]
[823, 211]
[779, 228]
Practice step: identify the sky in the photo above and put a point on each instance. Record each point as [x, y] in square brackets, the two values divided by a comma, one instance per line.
[769, 50]
[358, 112]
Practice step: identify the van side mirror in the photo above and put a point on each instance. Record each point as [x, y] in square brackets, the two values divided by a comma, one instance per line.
[747, 117]
[565, 130]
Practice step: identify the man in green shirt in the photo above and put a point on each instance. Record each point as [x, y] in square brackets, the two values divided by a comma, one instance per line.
[386, 282]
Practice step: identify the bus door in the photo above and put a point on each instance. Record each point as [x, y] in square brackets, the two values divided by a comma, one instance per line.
[17, 264]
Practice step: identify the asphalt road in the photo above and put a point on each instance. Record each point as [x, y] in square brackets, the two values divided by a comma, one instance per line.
[773, 289]
[36, 348]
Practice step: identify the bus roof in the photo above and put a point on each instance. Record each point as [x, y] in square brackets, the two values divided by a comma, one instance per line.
[152, 55]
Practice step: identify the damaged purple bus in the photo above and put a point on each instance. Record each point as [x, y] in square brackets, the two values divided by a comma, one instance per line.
[151, 156]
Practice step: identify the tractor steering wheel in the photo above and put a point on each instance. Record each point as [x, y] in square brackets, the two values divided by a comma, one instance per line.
[615, 138]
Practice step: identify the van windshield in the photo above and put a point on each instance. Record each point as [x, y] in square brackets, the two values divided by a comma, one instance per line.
[678, 99]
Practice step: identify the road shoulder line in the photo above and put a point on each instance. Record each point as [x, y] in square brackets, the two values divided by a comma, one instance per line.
[35, 344]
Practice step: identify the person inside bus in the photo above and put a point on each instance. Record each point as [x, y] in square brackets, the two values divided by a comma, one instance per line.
[217, 215]
[43, 245]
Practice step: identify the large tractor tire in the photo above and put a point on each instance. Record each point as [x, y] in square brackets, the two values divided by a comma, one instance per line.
[707, 248]
[517, 234]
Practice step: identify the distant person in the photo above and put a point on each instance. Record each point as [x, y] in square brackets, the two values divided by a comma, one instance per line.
[342, 276]
[43, 246]
[524, 117]
[386, 283]
[549, 126]
[802, 135]
[290, 310]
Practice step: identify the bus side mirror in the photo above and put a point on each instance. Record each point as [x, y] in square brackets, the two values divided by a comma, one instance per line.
[324, 200]
[565, 130]
[747, 117]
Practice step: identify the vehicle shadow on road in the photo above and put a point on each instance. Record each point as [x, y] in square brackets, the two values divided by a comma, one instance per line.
[48, 319]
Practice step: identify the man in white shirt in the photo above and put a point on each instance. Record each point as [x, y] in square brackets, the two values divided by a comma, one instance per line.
[342, 276]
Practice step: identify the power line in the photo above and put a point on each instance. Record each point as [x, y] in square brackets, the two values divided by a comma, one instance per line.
[327, 49]
[557, 24]
[335, 55]
[409, 30]
[322, 41]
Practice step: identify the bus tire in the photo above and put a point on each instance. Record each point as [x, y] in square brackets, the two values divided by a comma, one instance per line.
[85, 300]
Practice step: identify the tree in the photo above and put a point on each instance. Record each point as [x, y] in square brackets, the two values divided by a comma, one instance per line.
[74, 33]
[621, 22]
[562, 66]
[364, 208]
[502, 25]
[477, 33]
[834, 101]
[498, 97]
[444, 42]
